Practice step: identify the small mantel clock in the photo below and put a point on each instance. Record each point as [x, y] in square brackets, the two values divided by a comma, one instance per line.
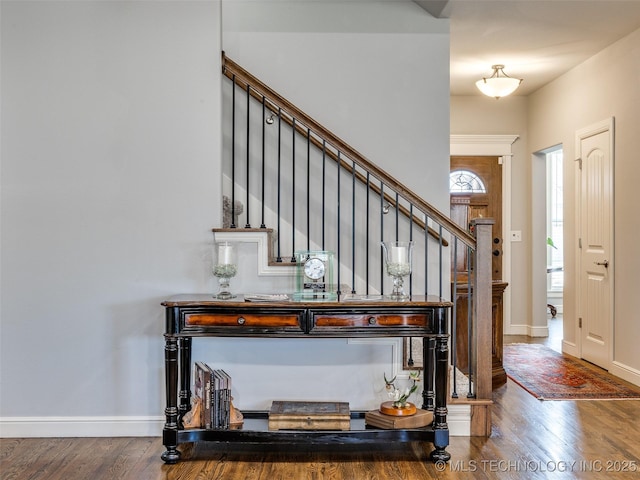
[314, 276]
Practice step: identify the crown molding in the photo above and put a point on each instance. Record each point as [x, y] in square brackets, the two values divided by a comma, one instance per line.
[499, 145]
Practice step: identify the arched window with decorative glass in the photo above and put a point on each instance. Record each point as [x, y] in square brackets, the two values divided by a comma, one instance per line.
[464, 181]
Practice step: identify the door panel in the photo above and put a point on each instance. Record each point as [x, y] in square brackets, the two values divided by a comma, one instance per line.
[467, 206]
[595, 255]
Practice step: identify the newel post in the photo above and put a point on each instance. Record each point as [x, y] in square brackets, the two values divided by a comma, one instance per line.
[481, 316]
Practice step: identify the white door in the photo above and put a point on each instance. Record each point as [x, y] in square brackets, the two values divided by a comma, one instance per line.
[595, 229]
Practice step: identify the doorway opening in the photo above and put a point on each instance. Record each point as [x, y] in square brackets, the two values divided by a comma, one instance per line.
[554, 161]
[555, 228]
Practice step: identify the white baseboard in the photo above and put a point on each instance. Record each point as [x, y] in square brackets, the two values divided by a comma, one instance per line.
[625, 372]
[538, 331]
[527, 330]
[570, 348]
[516, 329]
[458, 419]
[22, 427]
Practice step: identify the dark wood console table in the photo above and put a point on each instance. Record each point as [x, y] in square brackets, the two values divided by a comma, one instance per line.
[189, 316]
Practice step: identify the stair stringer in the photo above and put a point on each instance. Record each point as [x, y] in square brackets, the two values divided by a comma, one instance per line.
[265, 265]
[262, 240]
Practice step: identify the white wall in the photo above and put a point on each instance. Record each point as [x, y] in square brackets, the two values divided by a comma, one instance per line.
[375, 73]
[480, 115]
[607, 85]
[111, 183]
[110, 186]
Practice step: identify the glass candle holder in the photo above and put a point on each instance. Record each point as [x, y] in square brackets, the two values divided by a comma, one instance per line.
[225, 267]
[397, 260]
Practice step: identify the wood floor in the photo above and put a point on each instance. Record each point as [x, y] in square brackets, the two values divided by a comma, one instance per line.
[531, 439]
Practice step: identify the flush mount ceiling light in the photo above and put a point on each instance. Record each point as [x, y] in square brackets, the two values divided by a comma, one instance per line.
[499, 84]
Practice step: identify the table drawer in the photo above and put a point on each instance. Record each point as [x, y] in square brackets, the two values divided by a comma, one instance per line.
[247, 320]
[371, 320]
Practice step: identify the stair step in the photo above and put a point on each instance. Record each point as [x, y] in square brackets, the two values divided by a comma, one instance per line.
[267, 264]
[284, 263]
[243, 229]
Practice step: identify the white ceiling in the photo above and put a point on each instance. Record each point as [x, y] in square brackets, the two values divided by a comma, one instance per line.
[537, 40]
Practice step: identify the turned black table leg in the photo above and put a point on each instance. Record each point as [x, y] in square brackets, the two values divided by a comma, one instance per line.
[170, 432]
[440, 427]
[428, 356]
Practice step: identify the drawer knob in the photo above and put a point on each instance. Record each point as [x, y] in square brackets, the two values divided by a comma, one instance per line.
[241, 320]
[372, 320]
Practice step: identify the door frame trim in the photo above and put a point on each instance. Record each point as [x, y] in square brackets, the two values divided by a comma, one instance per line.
[494, 146]
[607, 125]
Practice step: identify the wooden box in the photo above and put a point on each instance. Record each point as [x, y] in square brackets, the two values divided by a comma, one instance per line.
[422, 418]
[309, 416]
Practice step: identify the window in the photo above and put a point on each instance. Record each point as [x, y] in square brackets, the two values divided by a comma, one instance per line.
[555, 222]
[464, 181]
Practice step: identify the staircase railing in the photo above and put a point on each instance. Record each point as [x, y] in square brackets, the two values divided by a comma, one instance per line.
[318, 192]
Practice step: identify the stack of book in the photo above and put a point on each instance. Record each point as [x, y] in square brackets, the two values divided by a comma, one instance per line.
[213, 388]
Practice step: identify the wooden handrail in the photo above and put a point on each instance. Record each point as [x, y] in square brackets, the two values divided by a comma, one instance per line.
[344, 165]
[235, 72]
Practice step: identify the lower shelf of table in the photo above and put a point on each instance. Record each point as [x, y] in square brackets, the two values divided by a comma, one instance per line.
[256, 430]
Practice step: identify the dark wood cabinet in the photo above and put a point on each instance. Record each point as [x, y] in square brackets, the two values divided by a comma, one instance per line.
[192, 316]
[499, 376]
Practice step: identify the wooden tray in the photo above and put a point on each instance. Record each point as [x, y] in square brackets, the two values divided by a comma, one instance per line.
[421, 418]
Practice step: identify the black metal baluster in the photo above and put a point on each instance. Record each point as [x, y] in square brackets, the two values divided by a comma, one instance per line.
[248, 224]
[470, 308]
[338, 217]
[279, 256]
[353, 227]
[382, 212]
[440, 273]
[308, 188]
[293, 189]
[397, 217]
[410, 361]
[411, 239]
[233, 153]
[366, 263]
[426, 255]
[324, 177]
[262, 224]
[454, 316]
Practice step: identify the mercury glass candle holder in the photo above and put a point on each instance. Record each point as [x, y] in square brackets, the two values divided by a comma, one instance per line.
[225, 267]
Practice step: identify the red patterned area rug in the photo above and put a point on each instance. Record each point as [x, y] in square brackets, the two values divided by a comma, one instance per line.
[549, 375]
